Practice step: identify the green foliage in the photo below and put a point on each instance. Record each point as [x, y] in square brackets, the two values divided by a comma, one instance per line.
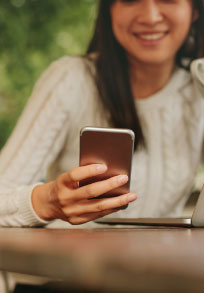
[33, 34]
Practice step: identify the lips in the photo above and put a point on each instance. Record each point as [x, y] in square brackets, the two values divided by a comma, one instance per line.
[150, 36]
[150, 39]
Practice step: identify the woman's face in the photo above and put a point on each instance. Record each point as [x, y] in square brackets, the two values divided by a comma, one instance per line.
[151, 31]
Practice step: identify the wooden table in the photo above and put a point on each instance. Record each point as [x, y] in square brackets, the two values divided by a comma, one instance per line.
[109, 259]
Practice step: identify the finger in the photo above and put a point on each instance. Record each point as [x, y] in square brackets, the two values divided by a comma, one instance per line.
[100, 187]
[99, 205]
[82, 172]
[77, 220]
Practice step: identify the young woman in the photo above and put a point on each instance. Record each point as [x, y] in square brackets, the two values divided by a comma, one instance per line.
[136, 75]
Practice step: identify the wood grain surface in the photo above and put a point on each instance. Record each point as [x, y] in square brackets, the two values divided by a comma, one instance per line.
[109, 259]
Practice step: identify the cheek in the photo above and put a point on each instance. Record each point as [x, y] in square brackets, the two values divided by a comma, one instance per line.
[181, 23]
[118, 28]
[121, 19]
[182, 20]
[117, 20]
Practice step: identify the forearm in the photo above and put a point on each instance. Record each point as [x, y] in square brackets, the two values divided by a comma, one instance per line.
[16, 208]
[32, 147]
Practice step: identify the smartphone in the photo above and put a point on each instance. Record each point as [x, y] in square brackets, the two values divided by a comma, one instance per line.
[111, 146]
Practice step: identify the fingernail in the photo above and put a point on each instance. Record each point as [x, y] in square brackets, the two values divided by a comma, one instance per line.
[101, 168]
[132, 197]
[122, 179]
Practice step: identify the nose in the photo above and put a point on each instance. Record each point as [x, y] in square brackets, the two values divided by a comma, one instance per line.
[149, 13]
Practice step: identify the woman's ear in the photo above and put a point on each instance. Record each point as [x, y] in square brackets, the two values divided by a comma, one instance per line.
[196, 15]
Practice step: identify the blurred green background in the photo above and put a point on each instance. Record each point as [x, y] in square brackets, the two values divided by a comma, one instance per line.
[33, 34]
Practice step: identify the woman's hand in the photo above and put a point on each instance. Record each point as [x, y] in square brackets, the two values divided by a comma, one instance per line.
[64, 199]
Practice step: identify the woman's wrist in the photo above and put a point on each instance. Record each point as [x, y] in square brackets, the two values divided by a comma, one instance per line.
[41, 203]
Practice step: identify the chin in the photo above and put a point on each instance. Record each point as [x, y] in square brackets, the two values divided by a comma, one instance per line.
[153, 60]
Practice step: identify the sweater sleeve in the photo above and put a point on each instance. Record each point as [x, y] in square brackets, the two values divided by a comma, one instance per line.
[35, 142]
[197, 71]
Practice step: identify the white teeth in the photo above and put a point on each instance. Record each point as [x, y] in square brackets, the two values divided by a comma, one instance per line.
[151, 37]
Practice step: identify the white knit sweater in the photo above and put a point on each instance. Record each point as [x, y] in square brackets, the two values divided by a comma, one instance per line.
[45, 141]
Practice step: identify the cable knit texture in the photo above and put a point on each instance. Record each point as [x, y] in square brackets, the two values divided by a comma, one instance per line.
[45, 141]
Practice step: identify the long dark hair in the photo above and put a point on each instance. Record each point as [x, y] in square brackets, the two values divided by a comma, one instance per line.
[112, 76]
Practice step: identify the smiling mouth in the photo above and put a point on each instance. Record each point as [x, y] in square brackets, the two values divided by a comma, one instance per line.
[150, 36]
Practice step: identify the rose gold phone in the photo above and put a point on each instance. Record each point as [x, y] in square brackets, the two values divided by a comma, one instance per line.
[111, 146]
